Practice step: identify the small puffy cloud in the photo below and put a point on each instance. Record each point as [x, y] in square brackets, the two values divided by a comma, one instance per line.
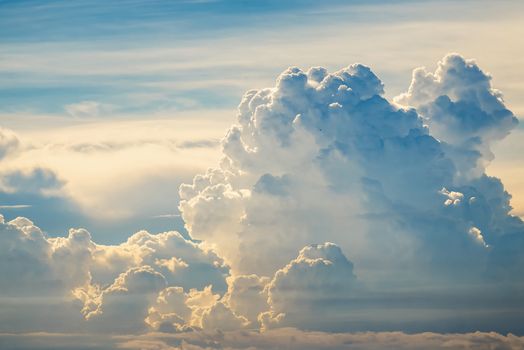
[170, 311]
[123, 306]
[313, 290]
[477, 235]
[177, 310]
[31, 260]
[191, 266]
[38, 275]
[453, 198]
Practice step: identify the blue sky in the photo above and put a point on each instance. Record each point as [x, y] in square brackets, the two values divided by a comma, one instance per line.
[72, 34]
[190, 175]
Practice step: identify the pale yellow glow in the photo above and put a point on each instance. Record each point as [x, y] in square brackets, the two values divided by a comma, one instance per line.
[115, 182]
[509, 166]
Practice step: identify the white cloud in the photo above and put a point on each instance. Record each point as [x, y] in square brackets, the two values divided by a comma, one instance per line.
[220, 316]
[123, 306]
[326, 154]
[320, 157]
[84, 109]
[30, 260]
[247, 296]
[112, 286]
[313, 291]
[462, 110]
[290, 338]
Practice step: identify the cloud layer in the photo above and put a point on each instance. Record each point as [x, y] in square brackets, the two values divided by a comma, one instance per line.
[333, 210]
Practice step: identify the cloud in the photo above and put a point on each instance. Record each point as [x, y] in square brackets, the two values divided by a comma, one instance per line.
[418, 237]
[112, 286]
[44, 196]
[176, 310]
[50, 172]
[462, 110]
[199, 144]
[37, 181]
[311, 291]
[123, 305]
[290, 338]
[140, 180]
[247, 296]
[31, 260]
[326, 152]
[84, 109]
[220, 316]
[40, 189]
[9, 142]
[400, 187]
[15, 206]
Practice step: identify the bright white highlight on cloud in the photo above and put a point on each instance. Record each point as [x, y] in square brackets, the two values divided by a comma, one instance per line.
[332, 209]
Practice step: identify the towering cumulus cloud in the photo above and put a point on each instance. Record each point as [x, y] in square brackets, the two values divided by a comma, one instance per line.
[399, 186]
[325, 157]
[332, 210]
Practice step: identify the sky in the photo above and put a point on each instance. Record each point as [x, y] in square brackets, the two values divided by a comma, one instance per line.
[200, 174]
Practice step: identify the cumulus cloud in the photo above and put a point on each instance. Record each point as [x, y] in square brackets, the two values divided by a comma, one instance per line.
[221, 317]
[176, 310]
[422, 239]
[113, 287]
[247, 296]
[462, 110]
[30, 260]
[124, 304]
[313, 291]
[326, 155]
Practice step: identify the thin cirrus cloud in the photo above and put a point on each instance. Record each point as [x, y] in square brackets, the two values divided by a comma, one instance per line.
[334, 210]
[158, 68]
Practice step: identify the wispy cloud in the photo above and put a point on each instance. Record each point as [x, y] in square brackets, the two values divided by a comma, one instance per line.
[84, 109]
[15, 206]
[166, 216]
